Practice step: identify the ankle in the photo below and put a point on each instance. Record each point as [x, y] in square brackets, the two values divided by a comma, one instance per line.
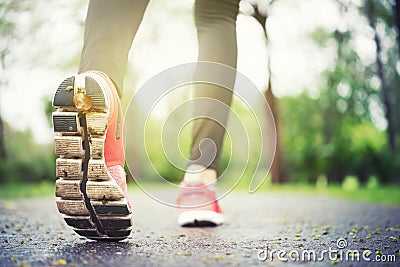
[199, 174]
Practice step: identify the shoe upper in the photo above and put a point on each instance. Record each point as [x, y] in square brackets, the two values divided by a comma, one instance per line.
[114, 150]
[197, 197]
[114, 145]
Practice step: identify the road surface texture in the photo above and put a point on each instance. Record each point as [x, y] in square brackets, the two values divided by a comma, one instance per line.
[260, 229]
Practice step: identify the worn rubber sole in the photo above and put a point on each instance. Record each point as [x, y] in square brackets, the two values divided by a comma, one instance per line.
[200, 218]
[89, 199]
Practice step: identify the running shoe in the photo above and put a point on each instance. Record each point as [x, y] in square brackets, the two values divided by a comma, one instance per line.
[89, 142]
[198, 206]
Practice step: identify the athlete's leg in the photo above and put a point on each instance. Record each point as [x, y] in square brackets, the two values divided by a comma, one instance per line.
[216, 32]
[109, 31]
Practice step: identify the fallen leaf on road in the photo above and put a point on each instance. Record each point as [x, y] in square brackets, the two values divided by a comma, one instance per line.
[336, 261]
[59, 262]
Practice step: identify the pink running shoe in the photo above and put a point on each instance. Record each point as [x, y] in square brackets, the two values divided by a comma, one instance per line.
[89, 142]
[198, 206]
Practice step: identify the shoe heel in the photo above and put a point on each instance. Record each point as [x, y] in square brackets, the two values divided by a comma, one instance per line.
[65, 93]
[93, 89]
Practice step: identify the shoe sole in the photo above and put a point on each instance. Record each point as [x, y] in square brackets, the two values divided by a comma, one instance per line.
[89, 199]
[200, 218]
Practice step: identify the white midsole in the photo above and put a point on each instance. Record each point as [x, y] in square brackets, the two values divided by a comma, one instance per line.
[190, 216]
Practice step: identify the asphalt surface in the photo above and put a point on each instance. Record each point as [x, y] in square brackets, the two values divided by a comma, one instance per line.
[32, 233]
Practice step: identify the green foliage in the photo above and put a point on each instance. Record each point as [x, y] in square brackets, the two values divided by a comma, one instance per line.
[350, 183]
[16, 190]
[316, 144]
[48, 110]
[372, 182]
[8, 9]
[321, 36]
[6, 24]
[337, 134]
[382, 19]
[26, 161]
[387, 194]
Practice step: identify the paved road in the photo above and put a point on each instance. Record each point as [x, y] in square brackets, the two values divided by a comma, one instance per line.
[34, 234]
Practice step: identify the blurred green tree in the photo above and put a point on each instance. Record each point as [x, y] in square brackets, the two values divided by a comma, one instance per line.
[259, 11]
[6, 30]
[375, 10]
[340, 132]
[384, 19]
[8, 9]
[26, 160]
[16, 165]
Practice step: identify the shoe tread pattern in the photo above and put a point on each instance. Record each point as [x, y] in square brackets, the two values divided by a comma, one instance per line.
[98, 210]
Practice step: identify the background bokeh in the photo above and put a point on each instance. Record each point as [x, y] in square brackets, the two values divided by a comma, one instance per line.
[329, 70]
